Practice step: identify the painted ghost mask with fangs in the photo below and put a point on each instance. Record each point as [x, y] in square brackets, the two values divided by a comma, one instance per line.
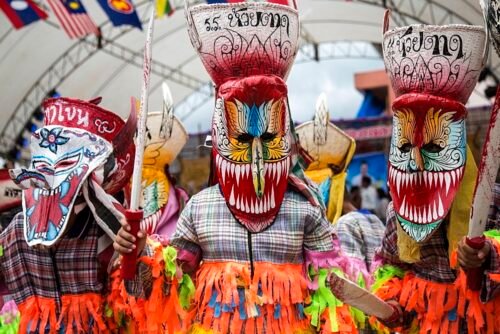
[74, 146]
[248, 50]
[252, 145]
[433, 70]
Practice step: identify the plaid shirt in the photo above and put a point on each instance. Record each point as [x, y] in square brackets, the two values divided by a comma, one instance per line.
[494, 215]
[70, 267]
[434, 262]
[207, 226]
[208, 231]
[360, 235]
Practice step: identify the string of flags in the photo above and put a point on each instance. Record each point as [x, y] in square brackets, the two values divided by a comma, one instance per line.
[76, 22]
[73, 17]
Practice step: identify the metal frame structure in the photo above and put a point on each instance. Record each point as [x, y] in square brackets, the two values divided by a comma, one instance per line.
[72, 59]
[403, 12]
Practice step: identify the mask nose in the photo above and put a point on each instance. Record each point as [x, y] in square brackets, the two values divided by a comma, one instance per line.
[416, 156]
[27, 178]
[258, 167]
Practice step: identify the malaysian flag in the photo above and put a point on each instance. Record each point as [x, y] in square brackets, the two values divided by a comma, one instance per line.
[73, 18]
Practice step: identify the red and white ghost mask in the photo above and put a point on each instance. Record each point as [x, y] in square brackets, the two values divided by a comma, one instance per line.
[433, 70]
[251, 147]
[248, 49]
[74, 145]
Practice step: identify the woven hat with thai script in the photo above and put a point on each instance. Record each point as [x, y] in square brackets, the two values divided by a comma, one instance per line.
[433, 71]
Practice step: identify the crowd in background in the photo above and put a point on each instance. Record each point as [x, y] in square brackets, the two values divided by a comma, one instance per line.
[366, 195]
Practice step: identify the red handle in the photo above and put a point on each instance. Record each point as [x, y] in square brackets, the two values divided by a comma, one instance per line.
[129, 260]
[475, 275]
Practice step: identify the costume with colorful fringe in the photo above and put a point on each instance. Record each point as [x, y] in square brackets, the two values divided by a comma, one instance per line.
[56, 252]
[235, 292]
[432, 192]
[329, 151]
[434, 295]
[256, 243]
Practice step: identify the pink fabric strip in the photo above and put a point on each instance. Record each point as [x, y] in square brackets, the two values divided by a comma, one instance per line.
[190, 261]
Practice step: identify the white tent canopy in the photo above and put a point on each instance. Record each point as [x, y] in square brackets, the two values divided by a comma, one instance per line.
[40, 57]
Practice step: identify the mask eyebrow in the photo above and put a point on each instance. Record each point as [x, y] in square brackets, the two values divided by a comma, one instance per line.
[41, 158]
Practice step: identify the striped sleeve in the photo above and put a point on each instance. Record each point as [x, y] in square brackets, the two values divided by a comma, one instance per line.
[185, 236]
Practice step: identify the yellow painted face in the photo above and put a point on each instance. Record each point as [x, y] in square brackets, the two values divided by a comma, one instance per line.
[245, 123]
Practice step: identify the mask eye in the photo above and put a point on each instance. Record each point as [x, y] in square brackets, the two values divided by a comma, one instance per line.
[268, 136]
[244, 138]
[432, 148]
[67, 163]
[405, 148]
[41, 166]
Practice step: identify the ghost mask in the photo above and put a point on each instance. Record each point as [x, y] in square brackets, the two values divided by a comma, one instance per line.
[74, 146]
[165, 138]
[433, 70]
[251, 148]
[248, 50]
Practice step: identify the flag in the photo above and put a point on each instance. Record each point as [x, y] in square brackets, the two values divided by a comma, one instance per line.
[73, 18]
[164, 7]
[121, 12]
[22, 12]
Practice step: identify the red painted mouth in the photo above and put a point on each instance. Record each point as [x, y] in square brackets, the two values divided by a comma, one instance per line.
[236, 181]
[47, 210]
[150, 222]
[423, 197]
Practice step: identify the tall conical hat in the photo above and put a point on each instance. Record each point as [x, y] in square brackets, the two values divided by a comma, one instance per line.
[331, 150]
[243, 39]
[329, 146]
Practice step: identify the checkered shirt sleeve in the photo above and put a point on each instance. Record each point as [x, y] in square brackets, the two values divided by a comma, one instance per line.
[360, 235]
[318, 231]
[490, 288]
[185, 236]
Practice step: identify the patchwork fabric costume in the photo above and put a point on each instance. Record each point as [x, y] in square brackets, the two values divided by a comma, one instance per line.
[162, 200]
[248, 238]
[433, 70]
[55, 253]
[331, 151]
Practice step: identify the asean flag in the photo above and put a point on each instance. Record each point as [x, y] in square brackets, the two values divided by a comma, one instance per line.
[22, 12]
[121, 12]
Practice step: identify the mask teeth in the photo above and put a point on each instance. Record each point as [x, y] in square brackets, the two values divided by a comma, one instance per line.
[431, 180]
[272, 170]
[252, 205]
[441, 182]
[149, 223]
[239, 171]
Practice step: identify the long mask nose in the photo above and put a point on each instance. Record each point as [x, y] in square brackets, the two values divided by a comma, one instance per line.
[417, 157]
[258, 167]
[27, 178]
